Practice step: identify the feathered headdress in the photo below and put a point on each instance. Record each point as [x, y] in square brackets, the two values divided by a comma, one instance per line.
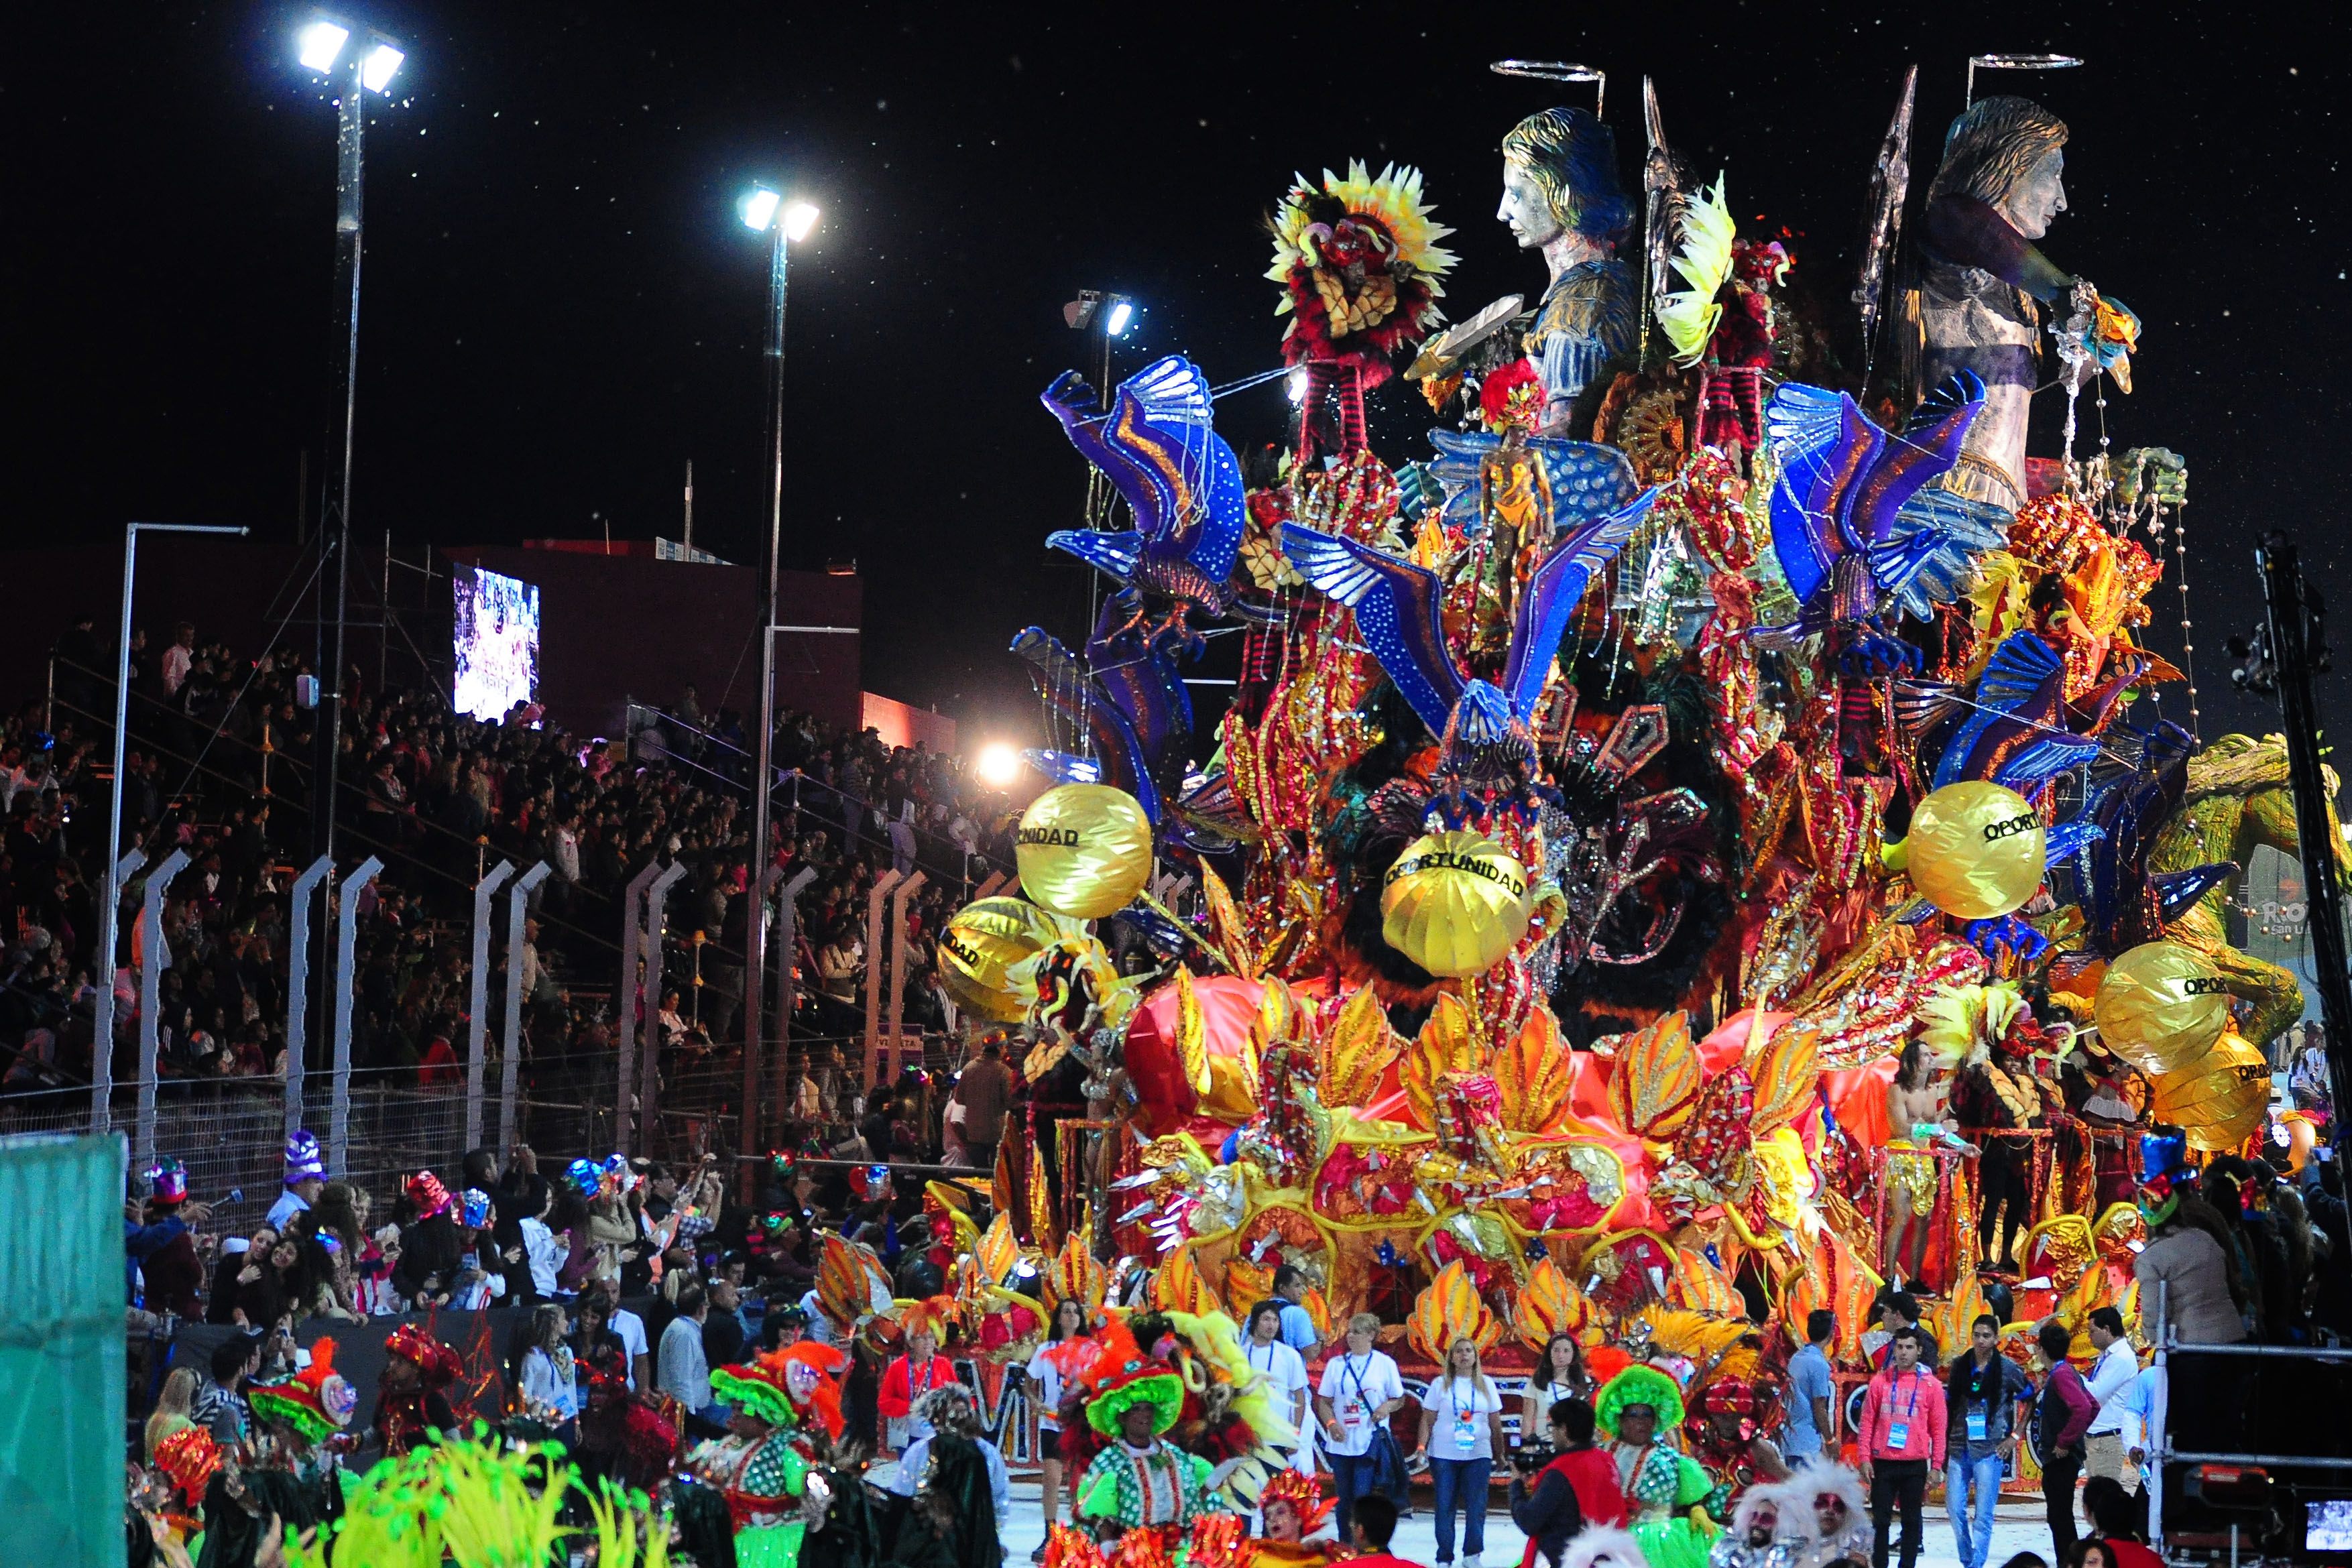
[1303, 1493]
[1122, 1376]
[938, 1316]
[1599, 1546]
[1357, 260]
[1816, 1482]
[1959, 1023]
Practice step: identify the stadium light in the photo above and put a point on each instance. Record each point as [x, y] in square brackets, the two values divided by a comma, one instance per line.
[759, 208]
[998, 765]
[1122, 311]
[377, 71]
[799, 219]
[318, 45]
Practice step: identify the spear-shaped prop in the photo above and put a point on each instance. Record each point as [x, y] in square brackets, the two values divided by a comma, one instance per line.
[1662, 188]
[1890, 181]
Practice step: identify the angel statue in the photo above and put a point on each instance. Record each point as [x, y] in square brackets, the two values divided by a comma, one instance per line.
[1982, 284]
[1561, 196]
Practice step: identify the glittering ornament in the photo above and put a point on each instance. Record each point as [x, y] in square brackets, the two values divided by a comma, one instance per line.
[2221, 1099]
[2161, 1006]
[1455, 902]
[1976, 849]
[983, 941]
[1084, 850]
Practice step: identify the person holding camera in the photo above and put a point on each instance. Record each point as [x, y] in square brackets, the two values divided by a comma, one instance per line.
[1555, 1495]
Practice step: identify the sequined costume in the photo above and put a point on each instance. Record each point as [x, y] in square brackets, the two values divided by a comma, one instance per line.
[762, 1479]
[1150, 1488]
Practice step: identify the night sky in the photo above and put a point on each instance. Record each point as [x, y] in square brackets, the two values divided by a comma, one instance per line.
[562, 307]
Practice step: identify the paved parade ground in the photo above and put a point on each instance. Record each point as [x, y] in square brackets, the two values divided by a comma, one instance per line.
[2018, 1527]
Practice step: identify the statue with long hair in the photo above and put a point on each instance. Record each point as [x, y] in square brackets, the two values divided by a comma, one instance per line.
[1561, 198]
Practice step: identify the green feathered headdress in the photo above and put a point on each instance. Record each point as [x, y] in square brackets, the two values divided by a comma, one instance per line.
[1639, 1384]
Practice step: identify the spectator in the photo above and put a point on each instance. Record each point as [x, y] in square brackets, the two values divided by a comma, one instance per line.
[2110, 1375]
[1985, 1398]
[219, 1406]
[1811, 1390]
[723, 1330]
[2061, 1415]
[684, 1373]
[1900, 1436]
[548, 1377]
[1360, 1390]
[175, 1407]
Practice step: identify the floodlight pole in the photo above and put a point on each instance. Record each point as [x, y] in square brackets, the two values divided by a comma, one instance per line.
[109, 917]
[755, 923]
[335, 514]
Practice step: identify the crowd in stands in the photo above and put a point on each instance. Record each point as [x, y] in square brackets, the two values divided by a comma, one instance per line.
[219, 764]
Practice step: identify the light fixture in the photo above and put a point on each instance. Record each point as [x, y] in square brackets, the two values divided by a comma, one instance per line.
[318, 45]
[376, 70]
[799, 219]
[1294, 384]
[759, 208]
[1122, 311]
[998, 765]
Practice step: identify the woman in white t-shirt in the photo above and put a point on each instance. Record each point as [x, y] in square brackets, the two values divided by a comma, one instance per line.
[1360, 1390]
[1058, 1364]
[1462, 1431]
[1262, 1344]
[1559, 1375]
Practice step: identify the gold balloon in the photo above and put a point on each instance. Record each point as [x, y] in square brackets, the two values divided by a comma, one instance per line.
[1084, 850]
[2161, 1006]
[1975, 850]
[2221, 1099]
[1455, 902]
[985, 940]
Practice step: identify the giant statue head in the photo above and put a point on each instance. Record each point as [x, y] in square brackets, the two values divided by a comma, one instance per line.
[2007, 152]
[1560, 175]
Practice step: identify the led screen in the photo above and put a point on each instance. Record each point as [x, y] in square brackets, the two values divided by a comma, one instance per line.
[497, 643]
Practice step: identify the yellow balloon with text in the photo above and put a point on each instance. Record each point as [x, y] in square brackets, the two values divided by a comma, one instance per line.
[1976, 849]
[2161, 1006]
[1455, 902]
[1084, 849]
[2221, 1099]
[984, 940]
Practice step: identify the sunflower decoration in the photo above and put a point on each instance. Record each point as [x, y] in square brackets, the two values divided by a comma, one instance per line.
[1360, 266]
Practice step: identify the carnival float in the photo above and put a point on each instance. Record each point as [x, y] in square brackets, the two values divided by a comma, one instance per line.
[1698, 841]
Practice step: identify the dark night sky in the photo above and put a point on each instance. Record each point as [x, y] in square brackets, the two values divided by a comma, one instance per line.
[561, 307]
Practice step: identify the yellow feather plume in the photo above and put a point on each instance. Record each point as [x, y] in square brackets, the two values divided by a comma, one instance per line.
[1688, 317]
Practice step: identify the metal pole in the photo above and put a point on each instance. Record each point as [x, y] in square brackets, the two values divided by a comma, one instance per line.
[2293, 618]
[899, 950]
[755, 987]
[649, 1069]
[755, 926]
[477, 1021]
[102, 1053]
[335, 523]
[347, 936]
[153, 954]
[297, 987]
[625, 995]
[787, 992]
[109, 917]
[874, 964]
[511, 1069]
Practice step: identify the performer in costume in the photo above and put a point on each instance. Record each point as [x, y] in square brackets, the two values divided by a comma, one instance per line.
[1136, 1482]
[918, 1371]
[1658, 1482]
[285, 1469]
[1828, 1519]
[961, 1490]
[1754, 1540]
[410, 1405]
[761, 1465]
[1293, 1508]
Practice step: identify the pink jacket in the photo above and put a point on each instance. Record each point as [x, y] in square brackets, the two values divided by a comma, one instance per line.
[1914, 1402]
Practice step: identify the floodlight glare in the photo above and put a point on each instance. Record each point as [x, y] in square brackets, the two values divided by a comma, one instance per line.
[377, 69]
[320, 43]
[1295, 384]
[758, 208]
[998, 765]
[799, 218]
[1122, 311]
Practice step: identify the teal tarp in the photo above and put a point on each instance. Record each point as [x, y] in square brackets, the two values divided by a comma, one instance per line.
[61, 1351]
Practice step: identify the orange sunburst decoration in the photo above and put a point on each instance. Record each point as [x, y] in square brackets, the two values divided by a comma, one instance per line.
[1550, 1304]
[1659, 1074]
[1450, 1308]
